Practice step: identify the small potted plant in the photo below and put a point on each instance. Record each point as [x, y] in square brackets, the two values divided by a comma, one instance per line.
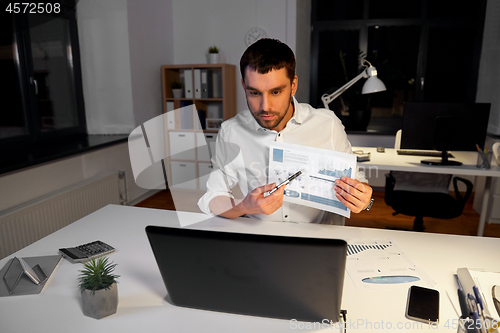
[177, 89]
[98, 287]
[213, 55]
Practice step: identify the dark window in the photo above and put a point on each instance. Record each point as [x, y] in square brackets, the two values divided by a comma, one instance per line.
[40, 85]
[424, 51]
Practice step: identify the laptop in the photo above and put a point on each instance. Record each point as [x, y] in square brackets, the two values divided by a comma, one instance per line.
[259, 275]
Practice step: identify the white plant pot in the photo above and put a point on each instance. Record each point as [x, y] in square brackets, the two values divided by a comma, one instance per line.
[213, 58]
[177, 93]
[101, 304]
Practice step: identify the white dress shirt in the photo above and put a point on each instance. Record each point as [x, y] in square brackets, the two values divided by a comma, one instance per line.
[242, 157]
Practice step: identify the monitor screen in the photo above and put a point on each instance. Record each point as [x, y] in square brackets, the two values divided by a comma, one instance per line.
[444, 126]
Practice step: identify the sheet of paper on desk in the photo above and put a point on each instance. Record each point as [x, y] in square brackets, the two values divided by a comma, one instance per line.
[485, 282]
[382, 264]
[320, 167]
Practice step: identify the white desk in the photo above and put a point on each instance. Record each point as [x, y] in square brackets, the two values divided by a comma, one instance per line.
[390, 160]
[142, 307]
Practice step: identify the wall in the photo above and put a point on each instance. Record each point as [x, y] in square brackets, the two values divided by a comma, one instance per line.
[105, 59]
[33, 182]
[224, 23]
[150, 31]
[122, 46]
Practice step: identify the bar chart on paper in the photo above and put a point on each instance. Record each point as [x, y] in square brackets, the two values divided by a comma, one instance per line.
[321, 168]
[357, 248]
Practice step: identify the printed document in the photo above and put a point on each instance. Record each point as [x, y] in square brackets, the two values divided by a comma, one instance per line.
[320, 168]
[382, 264]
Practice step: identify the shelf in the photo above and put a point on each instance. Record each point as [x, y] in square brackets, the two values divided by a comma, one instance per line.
[218, 80]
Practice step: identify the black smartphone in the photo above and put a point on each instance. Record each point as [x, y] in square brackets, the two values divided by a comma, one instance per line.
[422, 304]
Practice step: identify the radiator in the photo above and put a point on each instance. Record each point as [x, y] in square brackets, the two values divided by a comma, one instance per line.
[26, 223]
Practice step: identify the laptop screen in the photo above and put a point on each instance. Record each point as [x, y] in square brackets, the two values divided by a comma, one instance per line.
[260, 275]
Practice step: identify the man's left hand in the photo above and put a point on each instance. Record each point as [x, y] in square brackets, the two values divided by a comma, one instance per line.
[353, 194]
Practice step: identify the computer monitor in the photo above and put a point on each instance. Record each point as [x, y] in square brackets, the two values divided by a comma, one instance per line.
[444, 126]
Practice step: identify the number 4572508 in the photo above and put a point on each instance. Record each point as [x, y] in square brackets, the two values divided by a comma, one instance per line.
[33, 8]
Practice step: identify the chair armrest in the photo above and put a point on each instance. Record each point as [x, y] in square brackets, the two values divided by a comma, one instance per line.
[390, 181]
[457, 192]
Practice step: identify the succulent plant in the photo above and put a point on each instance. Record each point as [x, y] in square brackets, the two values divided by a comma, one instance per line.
[97, 274]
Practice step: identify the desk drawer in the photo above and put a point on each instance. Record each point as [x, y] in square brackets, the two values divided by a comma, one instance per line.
[182, 145]
[183, 175]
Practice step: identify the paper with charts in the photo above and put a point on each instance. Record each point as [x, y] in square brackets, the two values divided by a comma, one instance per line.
[382, 264]
[320, 168]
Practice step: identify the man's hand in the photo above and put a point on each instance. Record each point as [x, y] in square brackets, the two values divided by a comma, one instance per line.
[256, 203]
[353, 194]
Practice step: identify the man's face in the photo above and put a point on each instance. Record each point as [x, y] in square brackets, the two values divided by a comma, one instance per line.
[269, 97]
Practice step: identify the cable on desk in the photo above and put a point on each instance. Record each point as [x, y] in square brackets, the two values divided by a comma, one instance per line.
[343, 320]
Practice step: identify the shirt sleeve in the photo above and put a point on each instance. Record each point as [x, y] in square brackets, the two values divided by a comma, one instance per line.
[226, 162]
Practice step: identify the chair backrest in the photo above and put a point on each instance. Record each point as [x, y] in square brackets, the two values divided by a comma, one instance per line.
[421, 182]
[397, 142]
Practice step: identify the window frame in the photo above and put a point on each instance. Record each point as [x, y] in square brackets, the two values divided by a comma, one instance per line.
[35, 139]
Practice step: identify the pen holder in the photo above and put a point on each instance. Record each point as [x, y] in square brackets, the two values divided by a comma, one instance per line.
[484, 160]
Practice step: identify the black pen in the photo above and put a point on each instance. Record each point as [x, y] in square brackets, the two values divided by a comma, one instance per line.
[285, 182]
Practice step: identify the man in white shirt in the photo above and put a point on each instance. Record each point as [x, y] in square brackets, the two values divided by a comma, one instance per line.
[242, 150]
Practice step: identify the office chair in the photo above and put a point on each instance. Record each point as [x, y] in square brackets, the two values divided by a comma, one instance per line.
[425, 195]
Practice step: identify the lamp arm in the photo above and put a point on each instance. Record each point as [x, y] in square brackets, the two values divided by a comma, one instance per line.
[328, 98]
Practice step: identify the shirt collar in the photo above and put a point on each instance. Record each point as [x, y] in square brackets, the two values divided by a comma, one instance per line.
[299, 115]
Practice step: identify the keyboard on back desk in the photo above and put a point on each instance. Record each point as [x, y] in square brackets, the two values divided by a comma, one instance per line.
[425, 153]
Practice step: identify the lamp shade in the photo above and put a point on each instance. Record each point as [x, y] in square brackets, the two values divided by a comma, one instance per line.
[373, 84]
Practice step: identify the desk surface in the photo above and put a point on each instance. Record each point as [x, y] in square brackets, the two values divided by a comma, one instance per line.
[142, 307]
[390, 160]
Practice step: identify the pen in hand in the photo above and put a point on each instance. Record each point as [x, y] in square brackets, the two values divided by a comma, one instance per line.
[285, 182]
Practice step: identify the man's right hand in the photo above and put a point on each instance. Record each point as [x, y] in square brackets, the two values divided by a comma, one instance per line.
[254, 203]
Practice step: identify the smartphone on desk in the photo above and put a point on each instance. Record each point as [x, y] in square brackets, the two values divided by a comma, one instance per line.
[422, 304]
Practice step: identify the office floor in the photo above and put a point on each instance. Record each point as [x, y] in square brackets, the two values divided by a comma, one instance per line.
[380, 216]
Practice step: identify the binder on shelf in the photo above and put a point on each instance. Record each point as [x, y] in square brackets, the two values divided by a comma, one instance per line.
[200, 122]
[217, 84]
[187, 117]
[204, 83]
[188, 83]
[210, 83]
[170, 115]
[197, 83]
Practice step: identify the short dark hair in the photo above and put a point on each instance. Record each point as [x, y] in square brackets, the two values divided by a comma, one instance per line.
[268, 54]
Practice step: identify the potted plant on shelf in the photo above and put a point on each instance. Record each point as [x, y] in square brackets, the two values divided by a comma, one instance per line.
[213, 55]
[177, 89]
[98, 287]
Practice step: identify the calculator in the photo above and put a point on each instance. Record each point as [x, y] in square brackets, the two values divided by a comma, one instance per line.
[87, 251]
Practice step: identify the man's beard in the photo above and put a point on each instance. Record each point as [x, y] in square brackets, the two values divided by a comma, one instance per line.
[272, 123]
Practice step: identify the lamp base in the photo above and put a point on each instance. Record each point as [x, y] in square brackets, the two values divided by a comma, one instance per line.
[440, 162]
